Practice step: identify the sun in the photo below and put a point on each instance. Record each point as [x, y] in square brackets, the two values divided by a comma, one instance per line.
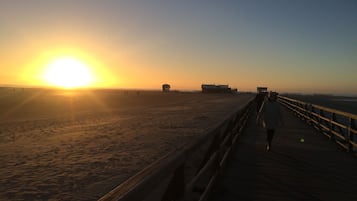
[68, 73]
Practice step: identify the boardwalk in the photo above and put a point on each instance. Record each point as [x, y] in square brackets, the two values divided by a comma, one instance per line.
[316, 169]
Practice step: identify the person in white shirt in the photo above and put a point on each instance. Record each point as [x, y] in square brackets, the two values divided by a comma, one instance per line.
[270, 117]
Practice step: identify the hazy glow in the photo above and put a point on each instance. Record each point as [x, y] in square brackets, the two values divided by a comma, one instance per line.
[68, 73]
[288, 46]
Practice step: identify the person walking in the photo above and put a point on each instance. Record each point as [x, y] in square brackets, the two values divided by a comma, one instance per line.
[270, 117]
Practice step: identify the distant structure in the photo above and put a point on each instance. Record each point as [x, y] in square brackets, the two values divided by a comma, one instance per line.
[212, 88]
[261, 90]
[166, 87]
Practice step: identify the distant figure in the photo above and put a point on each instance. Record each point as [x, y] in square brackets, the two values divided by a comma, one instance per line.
[270, 117]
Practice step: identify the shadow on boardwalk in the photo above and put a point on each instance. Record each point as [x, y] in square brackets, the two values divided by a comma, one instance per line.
[316, 169]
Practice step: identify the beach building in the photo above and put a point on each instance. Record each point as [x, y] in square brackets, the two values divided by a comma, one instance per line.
[262, 90]
[212, 88]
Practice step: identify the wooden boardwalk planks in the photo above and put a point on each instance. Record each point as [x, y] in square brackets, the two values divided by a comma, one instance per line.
[316, 169]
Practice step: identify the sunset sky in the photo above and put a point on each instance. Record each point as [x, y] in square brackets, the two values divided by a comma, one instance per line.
[307, 46]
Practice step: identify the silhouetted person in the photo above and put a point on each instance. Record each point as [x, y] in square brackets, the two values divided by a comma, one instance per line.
[270, 117]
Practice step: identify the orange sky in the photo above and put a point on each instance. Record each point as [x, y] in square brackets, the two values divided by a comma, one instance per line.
[288, 48]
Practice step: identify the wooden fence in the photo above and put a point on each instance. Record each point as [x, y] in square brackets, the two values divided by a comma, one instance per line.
[336, 125]
[187, 173]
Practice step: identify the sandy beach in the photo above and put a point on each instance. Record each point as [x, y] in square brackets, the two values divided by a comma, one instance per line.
[78, 145]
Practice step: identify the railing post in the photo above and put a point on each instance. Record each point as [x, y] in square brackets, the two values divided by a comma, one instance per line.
[298, 109]
[320, 120]
[332, 126]
[307, 107]
[310, 111]
[351, 134]
[305, 112]
[176, 187]
[313, 116]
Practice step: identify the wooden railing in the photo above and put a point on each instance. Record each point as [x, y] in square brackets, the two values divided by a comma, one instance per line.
[336, 125]
[187, 173]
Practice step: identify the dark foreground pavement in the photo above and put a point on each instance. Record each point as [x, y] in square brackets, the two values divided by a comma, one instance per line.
[316, 169]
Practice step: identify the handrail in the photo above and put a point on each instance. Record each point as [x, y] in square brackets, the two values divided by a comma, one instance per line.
[321, 107]
[337, 125]
[187, 173]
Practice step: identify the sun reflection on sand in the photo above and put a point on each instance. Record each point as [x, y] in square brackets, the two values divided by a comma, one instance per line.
[30, 104]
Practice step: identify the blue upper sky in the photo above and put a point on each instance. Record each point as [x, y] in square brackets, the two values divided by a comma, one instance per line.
[287, 45]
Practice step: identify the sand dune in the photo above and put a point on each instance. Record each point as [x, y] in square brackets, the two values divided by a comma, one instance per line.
[78, 145]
